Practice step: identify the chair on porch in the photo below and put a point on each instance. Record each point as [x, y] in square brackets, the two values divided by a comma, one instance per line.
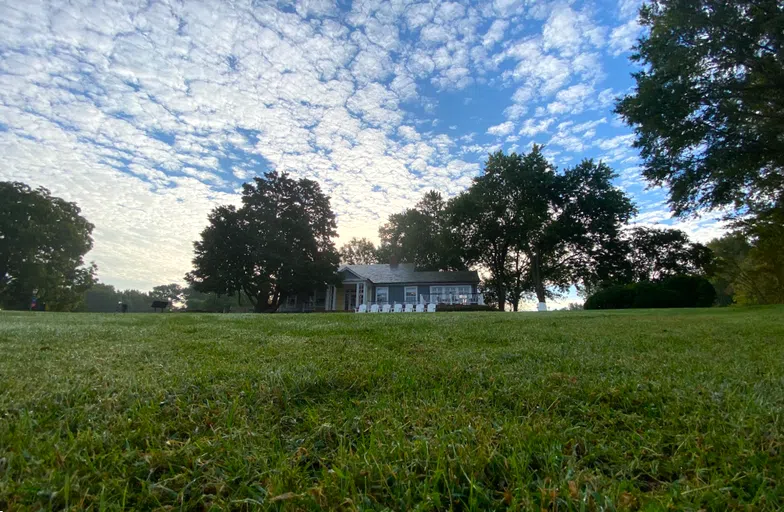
[362, 308]
[409, 308]
[431, 308]
[374, 308]
[420, 308]
[398, 308]
[386, 308]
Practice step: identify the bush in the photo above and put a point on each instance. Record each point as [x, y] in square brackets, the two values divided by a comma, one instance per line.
[673, 292]
[462, 307]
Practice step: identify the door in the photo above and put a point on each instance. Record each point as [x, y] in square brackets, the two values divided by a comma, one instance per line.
[350, 304]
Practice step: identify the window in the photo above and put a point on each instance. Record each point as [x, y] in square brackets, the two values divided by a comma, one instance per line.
[451, 294]
[382, 294]
[291, 301]
[411, 295]
[451, 290]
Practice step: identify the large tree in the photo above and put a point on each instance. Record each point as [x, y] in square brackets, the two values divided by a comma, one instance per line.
[749, 265]
[358, 251]
[278, 243]
[173, 293]
[535, 230]
[421, 235]
[708, 107]
[43, 240]
[651, 254]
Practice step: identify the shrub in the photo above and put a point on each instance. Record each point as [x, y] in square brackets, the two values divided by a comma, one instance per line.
[674, 292]
[461, 307]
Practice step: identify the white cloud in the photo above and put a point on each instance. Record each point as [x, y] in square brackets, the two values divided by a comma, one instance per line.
[624, 37]
[531, 127]
[501, 129]
[149, 115]
[495, 33]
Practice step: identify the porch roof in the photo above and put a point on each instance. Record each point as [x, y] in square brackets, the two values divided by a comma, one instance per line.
[406, 273]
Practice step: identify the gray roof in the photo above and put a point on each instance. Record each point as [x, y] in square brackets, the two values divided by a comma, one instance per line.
[405, 273]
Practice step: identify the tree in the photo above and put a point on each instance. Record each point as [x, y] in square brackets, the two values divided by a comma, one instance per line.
[358, 251]
[102, 298]
[210, 302]
[169, 292]
[537, 231]
[278, 243]
[651, 254]
[43, 240]
[749, 265]
[708, 107]
[421, 235]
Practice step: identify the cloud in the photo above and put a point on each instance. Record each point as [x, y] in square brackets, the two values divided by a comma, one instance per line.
[624, 37]
[150, 114]
[495, 33]
[531, 127]
[501, 129]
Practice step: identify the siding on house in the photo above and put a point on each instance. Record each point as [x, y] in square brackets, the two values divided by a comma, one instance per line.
[340, 298]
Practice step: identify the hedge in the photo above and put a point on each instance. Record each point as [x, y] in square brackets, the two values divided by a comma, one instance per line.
[672, 292]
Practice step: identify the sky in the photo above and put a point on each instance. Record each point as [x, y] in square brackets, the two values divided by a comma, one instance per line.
[149, 114]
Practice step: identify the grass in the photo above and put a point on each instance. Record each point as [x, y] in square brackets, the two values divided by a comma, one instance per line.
[647, 410]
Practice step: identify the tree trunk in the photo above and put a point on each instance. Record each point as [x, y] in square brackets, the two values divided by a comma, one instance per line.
[501, 292]
[536, 275]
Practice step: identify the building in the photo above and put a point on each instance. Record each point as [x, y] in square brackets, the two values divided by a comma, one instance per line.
[389, 284]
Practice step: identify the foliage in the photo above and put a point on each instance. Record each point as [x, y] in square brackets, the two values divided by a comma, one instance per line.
[105, 298]
[358, 251]
[421, 235]
[682, 291]
[173, 293]
[535, 230]
[707, 108]
[42, 243]
[212, 302]
[464, 307]
[650, 254]
[279, 242]
[750, 261]
[647, 410]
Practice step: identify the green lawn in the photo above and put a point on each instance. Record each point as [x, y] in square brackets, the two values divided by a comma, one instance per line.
[567, 411]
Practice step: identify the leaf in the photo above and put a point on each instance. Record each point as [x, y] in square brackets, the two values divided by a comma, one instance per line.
[573, 490]
[284, 497]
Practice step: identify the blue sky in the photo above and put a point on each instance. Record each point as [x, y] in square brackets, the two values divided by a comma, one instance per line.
[149, 114]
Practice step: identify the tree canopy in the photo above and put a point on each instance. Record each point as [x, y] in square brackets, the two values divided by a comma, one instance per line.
[43, 240]
[421, 235]
[652, 254]
[535, 230]
[279, 242]
[749, 265]
[358, 251]
[708, 107]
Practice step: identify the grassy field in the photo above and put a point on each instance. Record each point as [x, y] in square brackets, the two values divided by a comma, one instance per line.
[569, 411]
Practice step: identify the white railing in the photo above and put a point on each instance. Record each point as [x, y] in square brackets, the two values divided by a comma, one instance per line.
[464, 299]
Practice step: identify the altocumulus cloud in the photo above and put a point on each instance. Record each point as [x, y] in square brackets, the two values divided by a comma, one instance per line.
[148, 114]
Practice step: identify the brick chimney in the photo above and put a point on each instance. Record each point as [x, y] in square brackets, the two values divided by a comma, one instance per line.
[393, 262]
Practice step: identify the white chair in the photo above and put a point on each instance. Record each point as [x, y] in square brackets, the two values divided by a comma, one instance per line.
[431, 308]
[409, 308]
[386, 308]
[420, 308]
[374, 308]
[398, 308]
[362, 308]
